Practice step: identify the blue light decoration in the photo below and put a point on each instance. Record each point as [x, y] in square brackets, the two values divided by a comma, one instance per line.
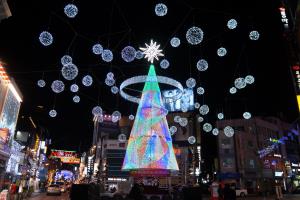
[161, 9]
[46, 38]
[69, 72]
[200, 119]
[110, 75]
[110, 81]
[194, 35]
[114, 89]
[232, 90]
[207, 127]
[139, 55]
[116, 116]
[232, 24]
[191, 83]
[76, 99]
[131, 117]
[183, 122]
[128, 54]
[41, 83]
[197, 105]
[254, 35]
[66, 60]
[202, 65]
[97, 111]
[164, 64]
[173, 130]
[228, 131]
[200, 90]
[220, 116]
[52, 113]
[107, 55]
[97, 49]
[57, 86]
[74, 88]
[71, 10]
[87, 80]
[249, 79]
[192, 139]
[215, 131]
[204, 109]
[175, 42]
[221, 51]
[240, 83]
[247, 115]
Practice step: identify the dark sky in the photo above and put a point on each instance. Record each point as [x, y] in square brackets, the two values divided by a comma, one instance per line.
[118, 23]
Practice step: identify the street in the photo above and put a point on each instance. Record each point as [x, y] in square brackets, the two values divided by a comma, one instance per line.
[43, 196]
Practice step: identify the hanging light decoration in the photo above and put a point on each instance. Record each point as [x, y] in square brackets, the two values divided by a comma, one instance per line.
[207, 127]
[194, 35]
[254, 35]
[57, 86]
[161, 9]
[46, 38]
[215, 131]
[192, 139]
[76, 99]
[71, 10]
[173, 130]
[97, 111]
[232, 90]
[122, 137]
[52, 113]
[164, 64]
[183, 121]
[220, 116]
[200, 119]
[249, 79]
[200, 90]
[131, 117]
[228, 131]
[221, 51]
[139, 55]
[74, 88]
[175, 42]
[107, 55]
[69, 72]
[191, 83]
[128, 54]
[87, 80]
[232, 24]
[41, 83]
[66, 60]
[247, 115]
[116, 116]
[114, 89]
[110, 81]
[204, 109]
[110, 75]
[177, 119]
[240, 83]
[197, 105]
[202, 65]
[97, 49]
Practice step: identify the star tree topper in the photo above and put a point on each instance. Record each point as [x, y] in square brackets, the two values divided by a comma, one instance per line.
[152, 51]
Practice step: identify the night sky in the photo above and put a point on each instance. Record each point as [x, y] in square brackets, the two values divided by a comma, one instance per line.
[118, 23]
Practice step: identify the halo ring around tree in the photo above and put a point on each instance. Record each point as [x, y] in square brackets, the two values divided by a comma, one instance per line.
[142, 79]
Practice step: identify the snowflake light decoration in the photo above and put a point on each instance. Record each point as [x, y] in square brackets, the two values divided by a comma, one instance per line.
[164, 64]
[152, 51]
[232, 24]
[128, 54]
[247, 115]
[46, 38]
[228, 131]
[220, 116]
[107, 55]
[194, 35]
[71, 10]
[114, 89]
[202, 65]
[97, 49]
[232, 90]
[97, 111]
[200, 90]
[240, 83]
[161, 9]
[76, 99]
[41, 83]
[254, 35]
[175, 42]
[139, 55]
[221, 51]
[52, 113]
[66, 60]
[69, 72]
[87, 80]
[191, 83]
[207, 127]
[74, 88]
[249, 79]
[215, 131]
[192, 139]
[57, 86]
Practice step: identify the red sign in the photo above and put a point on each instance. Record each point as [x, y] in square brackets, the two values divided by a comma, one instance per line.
[149, 172]
[65, 156]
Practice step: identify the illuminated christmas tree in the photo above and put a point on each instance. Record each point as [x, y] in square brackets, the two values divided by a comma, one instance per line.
[150, 143]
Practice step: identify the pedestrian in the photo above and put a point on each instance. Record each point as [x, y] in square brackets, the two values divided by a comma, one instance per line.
[221, 192]
[13, 190]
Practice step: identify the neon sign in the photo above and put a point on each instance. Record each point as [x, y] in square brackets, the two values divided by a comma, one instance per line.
[284, 18]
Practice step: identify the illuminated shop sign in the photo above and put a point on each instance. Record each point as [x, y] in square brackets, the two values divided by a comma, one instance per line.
[69, 157]
[284, 18]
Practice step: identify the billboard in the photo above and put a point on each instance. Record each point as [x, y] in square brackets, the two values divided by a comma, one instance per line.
[185, 102]
[69, 157]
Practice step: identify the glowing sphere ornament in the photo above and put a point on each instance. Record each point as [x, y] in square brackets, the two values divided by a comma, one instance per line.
[116, 116]
[215, 131]
[161, 9]
[183, 121]
[76, 99]
[221, 51]
[202, 65]
[254, 35]
[207, 127]
[69, 72]
[41, 83]
[74, 88]
[177, 119]
[97, 111]
[122, 137]
[164, 64]
[131, 117]
[191, 83]
[247, 115]
[175, 42]
[110, 81]
[97, 49]
[232, 24]
[71, 10]
[66, 60]
[240, 83]
[197, 105]
[192, 139]
[110, 75]
[249, 79]
[204, 109]
[128, 54]
[184, 109]
[107, 55]
[139, 55]
[232, 90]
[200, 119]
[173, 130]
[228, 131]
[46, 38]
[114, 89]
[220, 116]
[194, 35]
[200, 90]
[87, 80]
[57, 86]
[52, 113]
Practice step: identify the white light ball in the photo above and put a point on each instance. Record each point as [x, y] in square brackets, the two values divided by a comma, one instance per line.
[69, 72]
[76, 99]
[177, 119]
[232, 24]
[240, 83]
[161, 9]
[46, 38]
[52, 113]
[207, 127]
[175, 42]
[139, 55]
[110, 75]
[221, 51]
[110, 81]
[41, 83]
[254, 35]
[114, 89]
[107, 55]
[116, 116]
[194, 35]
[87, 80]
[131, 117]
[192, 139]
[215, 131]
[184, 109]
[197, 105]
[71, 10]
[220, 116]
[66, 59]
[191, 83]
[57, 86]
[97, 49]
[122, 137]
[200, 90]
[183, 121]
[228, 131]
[202, 65]
[128, 54]
[97, 111]
[247, 115]
[164, 64]
[249, 79]
[232, 90]
[204, 109]
[173, 130]
[200, 119]
[74, 88]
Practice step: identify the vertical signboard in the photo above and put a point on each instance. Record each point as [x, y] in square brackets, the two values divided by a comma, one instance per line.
[296, 76]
